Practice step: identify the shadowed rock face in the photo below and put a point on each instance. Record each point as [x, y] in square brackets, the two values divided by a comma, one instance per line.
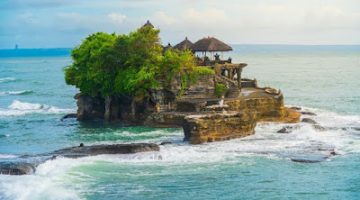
[27, 164]
[82, 151]
[287, 129]
[16, 168]
[309, 121]
[310, 158]
[70, 115]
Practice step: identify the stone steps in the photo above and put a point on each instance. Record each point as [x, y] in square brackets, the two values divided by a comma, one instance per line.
[233, 92]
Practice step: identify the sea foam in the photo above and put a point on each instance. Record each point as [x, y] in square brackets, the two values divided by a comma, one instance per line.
[7, 79]
[52, 177]
[21, 108]
[19, 92]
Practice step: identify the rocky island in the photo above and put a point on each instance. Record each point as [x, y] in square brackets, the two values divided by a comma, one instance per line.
[136, 81]
[132, 79]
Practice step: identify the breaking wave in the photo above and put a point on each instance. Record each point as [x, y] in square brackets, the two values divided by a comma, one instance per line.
[21, 108]
[2, 156]
[7, 79]
[54, 177]
[20, 92]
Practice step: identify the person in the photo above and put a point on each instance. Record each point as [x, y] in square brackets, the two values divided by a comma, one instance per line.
[217, 57]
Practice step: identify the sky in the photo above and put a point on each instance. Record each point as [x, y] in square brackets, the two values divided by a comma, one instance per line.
[65, 23]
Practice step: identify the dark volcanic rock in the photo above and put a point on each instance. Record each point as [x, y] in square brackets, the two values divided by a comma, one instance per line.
[81, 151]
[165, 143]
[16, 168]
[287, 129]
[310, 158]
[308, 113]
[70, 115]
[319, 128]
[296, 108]
[356, 128]
[26, 164]
[309, 121]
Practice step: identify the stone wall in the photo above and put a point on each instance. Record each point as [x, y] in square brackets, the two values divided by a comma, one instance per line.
[268, 107]
[218, 126]
[166, 119]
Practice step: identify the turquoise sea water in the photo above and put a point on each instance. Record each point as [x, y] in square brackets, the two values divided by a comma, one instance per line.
[322, 79]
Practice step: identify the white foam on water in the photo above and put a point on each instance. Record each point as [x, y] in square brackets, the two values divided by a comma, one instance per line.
[52, 181]
[304, 139]
[19, 92]
[35, 187]
[7, 156]
[7, 79]
[21, 108]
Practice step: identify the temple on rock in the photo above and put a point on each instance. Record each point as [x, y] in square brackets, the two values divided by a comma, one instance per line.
[219, 106]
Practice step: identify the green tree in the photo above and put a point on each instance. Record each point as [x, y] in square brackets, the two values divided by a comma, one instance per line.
[141, 55]
[107, 64]
[93, 64]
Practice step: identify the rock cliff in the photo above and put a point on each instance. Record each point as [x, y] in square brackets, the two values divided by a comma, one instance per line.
[212, 127]
[203, 115]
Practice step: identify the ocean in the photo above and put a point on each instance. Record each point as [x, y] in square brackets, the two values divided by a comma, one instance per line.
[321, 79]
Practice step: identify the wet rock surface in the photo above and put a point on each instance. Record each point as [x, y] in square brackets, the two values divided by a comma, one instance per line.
[315, 153]
[309, 158]
[165, 143]
[16, 168]
[296, 108]
[308, 113]
[314, 123]
[309, 121]
[83, 150]
[287, 129]
[27, 164]
[68, 116]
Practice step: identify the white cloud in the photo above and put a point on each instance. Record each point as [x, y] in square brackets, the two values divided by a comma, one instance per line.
[163, 18]
[271, 21]
[330, 17]
[234, 21]
[117, 17]
[210, 15]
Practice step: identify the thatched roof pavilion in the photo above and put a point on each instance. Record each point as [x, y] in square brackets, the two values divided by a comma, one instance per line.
[168, 46]
[148, 23]
[184, 45]
[210, 44]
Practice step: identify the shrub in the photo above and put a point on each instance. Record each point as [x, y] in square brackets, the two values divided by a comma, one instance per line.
[220, 89]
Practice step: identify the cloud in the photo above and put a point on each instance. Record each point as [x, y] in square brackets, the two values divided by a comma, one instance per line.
[163, 18]
[117, 17]
[208, 16]
[330, 17]
[234, 21]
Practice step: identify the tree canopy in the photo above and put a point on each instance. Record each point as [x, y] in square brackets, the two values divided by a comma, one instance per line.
[107, 64]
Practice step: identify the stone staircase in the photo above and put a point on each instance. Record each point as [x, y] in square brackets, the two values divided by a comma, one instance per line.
[233, 90]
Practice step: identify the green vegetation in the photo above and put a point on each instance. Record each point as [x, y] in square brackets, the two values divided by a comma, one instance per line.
[220, 89]
[107, 64]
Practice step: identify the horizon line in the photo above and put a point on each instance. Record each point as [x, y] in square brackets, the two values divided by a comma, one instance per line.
[249, 44]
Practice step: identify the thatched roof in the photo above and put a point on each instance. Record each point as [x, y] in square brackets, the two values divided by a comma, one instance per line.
[167, 47]
[148, 23]
[210, 44]
[184, 45]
